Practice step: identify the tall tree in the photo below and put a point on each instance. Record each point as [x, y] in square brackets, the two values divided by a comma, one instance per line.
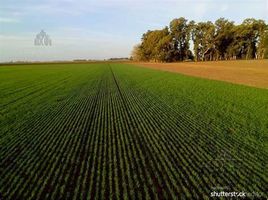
[211, 41]
[180, 32]
[223, 37]
[150, 48]
[263, 44]
[249, 33]
[164, 49]
[203, 38]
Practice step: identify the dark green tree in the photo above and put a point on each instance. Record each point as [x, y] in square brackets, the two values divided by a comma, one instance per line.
[263, 45]
[224, 37]
[203, 39]
[150, 44]
[180, 32]
[222, 40]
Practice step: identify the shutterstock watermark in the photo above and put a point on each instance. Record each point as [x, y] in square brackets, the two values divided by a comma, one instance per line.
[227, 194]
[237, 194]
[42, 39]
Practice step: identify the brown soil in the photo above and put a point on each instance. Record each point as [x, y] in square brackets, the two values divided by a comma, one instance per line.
[247, 72]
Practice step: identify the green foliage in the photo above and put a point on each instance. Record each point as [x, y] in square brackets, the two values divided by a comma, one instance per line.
[223, 37]
[263, 44]
[180, 33]
[203, 39]
[222, 40]
[155, 45]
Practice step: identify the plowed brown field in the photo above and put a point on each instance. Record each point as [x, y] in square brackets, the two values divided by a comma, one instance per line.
[251, 73]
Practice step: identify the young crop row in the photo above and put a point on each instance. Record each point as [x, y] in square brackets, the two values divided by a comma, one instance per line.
[111, 138]
[202, 149]
[28, 157]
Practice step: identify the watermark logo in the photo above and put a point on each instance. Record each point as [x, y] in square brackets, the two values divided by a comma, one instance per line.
[219, 159]
[223, 160]
[42, 39]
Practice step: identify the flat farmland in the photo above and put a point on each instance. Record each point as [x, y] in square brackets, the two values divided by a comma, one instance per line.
[246, 72]
[118, 131]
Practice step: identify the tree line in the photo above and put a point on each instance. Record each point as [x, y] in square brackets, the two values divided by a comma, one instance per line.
[204, 41]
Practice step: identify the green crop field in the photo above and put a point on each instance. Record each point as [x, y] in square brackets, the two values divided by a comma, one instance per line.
[110, 131]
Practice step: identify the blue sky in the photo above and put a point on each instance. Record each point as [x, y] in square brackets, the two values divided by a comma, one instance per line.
[99, 29]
